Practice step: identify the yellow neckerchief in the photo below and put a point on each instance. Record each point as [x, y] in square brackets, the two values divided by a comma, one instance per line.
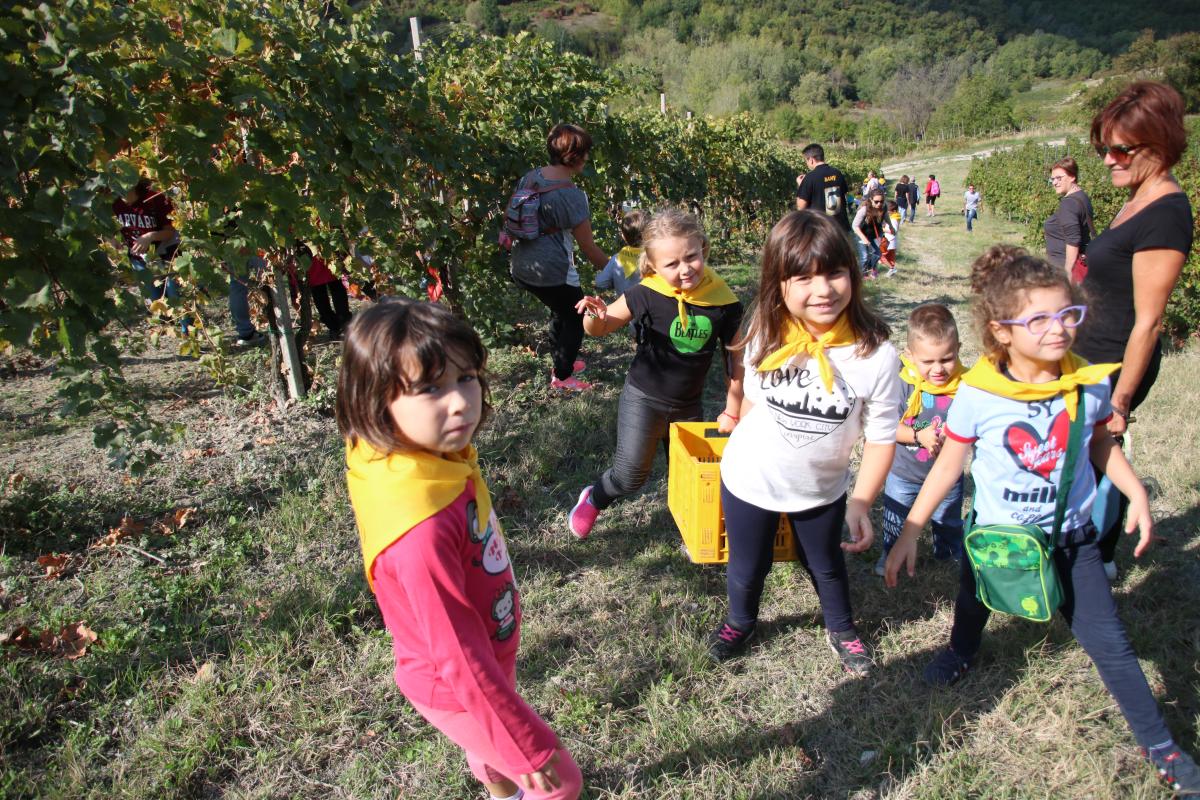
[912, 376]
[798, 340]
[628, 257]
[1075, 372]
[711, 291]
[390, 495]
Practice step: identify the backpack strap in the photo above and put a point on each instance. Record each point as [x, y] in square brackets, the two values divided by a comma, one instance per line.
[1067, 477]
[551, 187]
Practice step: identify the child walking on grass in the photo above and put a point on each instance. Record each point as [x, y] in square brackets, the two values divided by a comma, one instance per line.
[1015, 411]
[929, 376]
[821, 375]
[411, 394]
[681, 312]
[624, 269]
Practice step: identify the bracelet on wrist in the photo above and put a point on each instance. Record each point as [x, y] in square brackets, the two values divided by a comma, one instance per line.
[727, 414]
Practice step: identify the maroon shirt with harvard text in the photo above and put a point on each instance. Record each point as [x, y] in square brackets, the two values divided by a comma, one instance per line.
[135, 219]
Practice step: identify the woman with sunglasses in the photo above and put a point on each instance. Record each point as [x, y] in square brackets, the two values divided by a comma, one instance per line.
[1070, 228]
[869, 225]
[1133, 266]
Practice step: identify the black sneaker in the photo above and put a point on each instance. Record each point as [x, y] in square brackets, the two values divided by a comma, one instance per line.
[946, 668]
[728, 641]
[851, 650]
[1178, 770]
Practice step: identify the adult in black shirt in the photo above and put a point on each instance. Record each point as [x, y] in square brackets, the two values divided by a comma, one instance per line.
[902, 197]
[914, 200]
[1133, 266]
[823, 187]
[1070, 227]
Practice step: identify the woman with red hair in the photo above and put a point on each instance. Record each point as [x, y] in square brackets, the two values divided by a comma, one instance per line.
[1133, 266]
[545, 266]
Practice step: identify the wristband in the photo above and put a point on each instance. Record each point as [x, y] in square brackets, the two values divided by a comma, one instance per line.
[727, 414]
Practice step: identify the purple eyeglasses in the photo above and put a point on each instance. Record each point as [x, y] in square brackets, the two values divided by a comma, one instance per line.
[1037, 324]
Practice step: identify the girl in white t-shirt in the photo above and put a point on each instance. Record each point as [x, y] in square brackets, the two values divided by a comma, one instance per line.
[1014, 411]
[820, 375]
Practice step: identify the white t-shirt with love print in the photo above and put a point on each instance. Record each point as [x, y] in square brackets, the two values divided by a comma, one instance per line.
[792, 451]
[1019, 455]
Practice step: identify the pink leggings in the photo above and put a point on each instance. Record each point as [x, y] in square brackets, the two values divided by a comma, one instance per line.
[462, 729]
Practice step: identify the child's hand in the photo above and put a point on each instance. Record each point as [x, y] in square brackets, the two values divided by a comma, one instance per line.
[592, 305]
[726, 422]
[859, 523]
[903, 555]
[930, 439]
[545, 779]
[1139, 520]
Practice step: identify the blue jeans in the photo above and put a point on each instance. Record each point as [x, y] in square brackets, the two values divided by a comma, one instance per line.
[869, 255]
[239, 303]
[898, 498]
[972, 214]
[153, 287]
[912, 211]
[1089, 609]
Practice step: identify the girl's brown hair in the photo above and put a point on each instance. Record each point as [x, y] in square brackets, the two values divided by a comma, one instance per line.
[1149, 114]
[1068, 166]
[806, 243]
[567, 144]
[1001, 279]
[665, 224]
[379, 341]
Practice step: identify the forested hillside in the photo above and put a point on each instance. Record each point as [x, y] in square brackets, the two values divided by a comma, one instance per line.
[863, 70]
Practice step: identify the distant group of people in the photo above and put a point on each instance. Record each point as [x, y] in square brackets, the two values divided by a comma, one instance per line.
[811, 375]
[144, 216]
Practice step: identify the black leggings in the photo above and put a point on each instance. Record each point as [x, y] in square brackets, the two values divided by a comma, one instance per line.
[818, 533]
[1089, 609]
[1109, 539]
[566, 324]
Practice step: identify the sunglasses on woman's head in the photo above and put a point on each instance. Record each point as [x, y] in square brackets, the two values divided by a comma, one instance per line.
[1123, 152]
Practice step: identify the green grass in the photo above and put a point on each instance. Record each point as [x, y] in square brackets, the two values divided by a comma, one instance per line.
[252, 663]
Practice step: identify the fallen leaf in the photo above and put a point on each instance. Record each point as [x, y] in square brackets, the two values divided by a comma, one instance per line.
[15, 479]
[193, 453]
[71, 642]
[128, 527]
[74, 640]
[207, 673]
[54, 564]
[174, 521]
[265, 441]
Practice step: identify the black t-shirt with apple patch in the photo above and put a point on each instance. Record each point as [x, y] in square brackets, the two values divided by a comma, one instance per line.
[671, 363]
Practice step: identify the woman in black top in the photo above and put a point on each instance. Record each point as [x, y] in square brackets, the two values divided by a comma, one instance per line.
[1070, 228]
[1133, 266]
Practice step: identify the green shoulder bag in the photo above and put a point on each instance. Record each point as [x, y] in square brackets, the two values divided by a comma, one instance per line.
[1013, 564]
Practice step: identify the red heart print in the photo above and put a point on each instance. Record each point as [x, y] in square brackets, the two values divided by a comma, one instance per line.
[1034, 454]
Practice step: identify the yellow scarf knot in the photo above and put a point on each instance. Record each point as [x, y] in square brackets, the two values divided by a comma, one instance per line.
[392, 494]
[711, 291]
[628, 257]
[1076, 372]
[912, 376]
[798, 340]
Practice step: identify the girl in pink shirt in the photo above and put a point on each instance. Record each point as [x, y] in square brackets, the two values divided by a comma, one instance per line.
[411, 393]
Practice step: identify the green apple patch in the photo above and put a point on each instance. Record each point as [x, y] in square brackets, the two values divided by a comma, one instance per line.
[698, 331]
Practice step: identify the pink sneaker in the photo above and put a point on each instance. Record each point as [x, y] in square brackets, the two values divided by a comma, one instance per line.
[571, 384]
[583, 515]
[579, 366]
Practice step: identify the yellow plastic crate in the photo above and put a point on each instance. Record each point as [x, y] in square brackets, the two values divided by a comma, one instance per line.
[694, 495]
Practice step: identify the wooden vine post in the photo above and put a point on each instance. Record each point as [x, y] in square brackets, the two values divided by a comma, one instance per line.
[290, 368]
